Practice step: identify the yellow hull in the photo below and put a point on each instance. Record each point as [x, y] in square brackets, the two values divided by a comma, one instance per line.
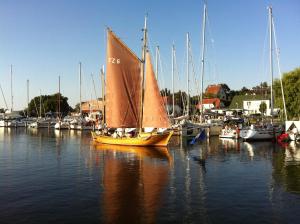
[153, 139]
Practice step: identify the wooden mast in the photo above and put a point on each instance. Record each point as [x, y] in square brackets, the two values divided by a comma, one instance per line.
[173, 97]
[103, 91]
[144, 48]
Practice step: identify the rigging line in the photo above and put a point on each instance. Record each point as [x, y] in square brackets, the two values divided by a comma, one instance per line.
[178, 76]
[212, 41]
[3, 97]
[193, 69]
[279, 68]
[36, 110]
[264, 51]
[161, 77]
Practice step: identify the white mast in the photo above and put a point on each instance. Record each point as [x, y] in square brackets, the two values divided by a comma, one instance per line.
[173, 97]
[11, 89]
[27, 97]
[156, 61]
[187, 74]
[80, 83]
[271, 59]
[59, 98]
[202, 60]
[40, 103]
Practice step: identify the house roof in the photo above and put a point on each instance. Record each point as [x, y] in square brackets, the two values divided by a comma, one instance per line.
[213, 89]
[214, 101]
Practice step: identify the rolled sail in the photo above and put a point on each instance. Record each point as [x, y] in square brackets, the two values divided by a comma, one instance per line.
[154, 113]
[123, 84]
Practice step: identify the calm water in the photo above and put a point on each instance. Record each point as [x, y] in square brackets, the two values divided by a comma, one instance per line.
[61, 177]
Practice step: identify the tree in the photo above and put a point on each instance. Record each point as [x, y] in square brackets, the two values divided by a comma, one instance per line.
[263, 108]
[291, 89]
[165, 92]
[49, 103]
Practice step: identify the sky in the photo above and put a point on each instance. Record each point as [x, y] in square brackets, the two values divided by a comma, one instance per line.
[47, 39]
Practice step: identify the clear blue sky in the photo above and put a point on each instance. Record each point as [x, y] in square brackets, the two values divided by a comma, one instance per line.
[44, 39]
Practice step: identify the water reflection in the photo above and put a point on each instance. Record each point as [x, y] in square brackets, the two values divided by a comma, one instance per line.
[133, 182]
[286, 167]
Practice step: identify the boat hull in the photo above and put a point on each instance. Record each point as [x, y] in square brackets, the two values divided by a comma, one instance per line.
[151, 139]
[254, 134]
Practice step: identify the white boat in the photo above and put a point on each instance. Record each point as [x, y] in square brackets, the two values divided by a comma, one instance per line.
[228, 132]
[43, 123]
[3, 123]
[270, 131]
[15, 123]
[61, 125]
[260, 133]
[293, 130]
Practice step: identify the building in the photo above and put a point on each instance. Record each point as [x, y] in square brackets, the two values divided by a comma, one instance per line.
[208, 104]
[217, 91]
[92, 106]
[252, 107]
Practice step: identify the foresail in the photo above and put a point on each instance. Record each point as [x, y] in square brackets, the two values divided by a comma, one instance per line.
[154, 113]
[123, 84]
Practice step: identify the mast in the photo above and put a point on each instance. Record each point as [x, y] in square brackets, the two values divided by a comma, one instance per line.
[27, 98]
[173, 97]
[59, 97]
[187, 74]
[202, 60]
[98, 106]
[40, 103]
[156, 61]
[271, 58]
[144, 47]
[80, 83]
[11, 88]
[103, 90]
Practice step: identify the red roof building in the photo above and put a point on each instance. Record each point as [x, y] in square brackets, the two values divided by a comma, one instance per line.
[213, 89]
[217, 91]
[213, 103]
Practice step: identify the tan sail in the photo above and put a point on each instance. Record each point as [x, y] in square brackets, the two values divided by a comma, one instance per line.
[154, 113]
[123, 84]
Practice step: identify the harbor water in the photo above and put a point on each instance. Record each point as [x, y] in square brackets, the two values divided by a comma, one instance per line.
[49, 176]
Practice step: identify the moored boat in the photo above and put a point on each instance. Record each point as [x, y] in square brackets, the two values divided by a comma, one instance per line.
[131, 101]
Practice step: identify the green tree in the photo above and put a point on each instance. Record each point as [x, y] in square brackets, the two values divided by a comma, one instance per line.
[291, 88]
[263, 108]
[49, 103]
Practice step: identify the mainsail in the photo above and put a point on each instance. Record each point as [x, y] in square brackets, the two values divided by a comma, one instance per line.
[154, 113]
[123, 84]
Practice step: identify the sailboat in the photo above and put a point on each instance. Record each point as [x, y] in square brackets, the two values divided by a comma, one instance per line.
[269, 131]
[60, 124]
[128, 103]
